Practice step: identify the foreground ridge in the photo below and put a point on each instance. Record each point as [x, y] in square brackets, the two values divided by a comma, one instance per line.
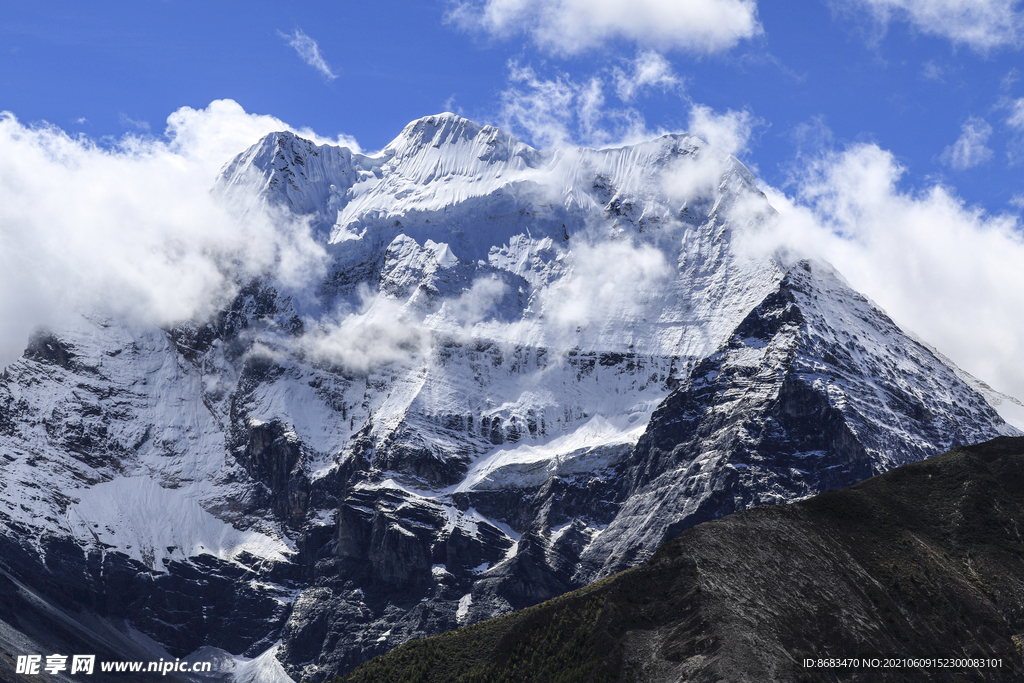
[921, 563]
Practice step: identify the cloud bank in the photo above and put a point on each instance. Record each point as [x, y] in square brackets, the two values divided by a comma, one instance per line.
[945, 271]
[575, 26]
[132, 229]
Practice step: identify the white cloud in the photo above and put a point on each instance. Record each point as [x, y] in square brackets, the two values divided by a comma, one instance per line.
[573, 26]
[213, 136]
[129, 122]
[608, 280]
[561, 112]
[812, 136]
[1015, 121]
[970, 149]
[979, 24]
[132, 230]
[545, 109]
[931, 71]
[729, 132]
[1016, 118]
[1011, 77]
[381, 332]
[385, 330]
[473, 305]
[309, 51]
[649, 69]
[947, 272]
[693, 176]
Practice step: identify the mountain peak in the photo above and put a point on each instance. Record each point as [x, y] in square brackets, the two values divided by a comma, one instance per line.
[288, 169]
[445, 130]
[446, 127]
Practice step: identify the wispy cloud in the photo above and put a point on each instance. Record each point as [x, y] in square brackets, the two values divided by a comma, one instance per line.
[561, 111]
[971, 148]
[1016, 118]
[609, 280]
[309, 51]
[1015, 122]
[557, 110]
[979, 24]
[129, 122]
[650, 69]
[931, 71]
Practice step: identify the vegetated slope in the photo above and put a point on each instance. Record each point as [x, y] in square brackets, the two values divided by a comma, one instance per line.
[924, 561]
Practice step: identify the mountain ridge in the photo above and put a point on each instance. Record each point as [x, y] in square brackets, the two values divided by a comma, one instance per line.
[446, 425]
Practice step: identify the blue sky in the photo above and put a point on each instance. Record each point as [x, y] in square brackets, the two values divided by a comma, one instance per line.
[888, 133]
[809, 72]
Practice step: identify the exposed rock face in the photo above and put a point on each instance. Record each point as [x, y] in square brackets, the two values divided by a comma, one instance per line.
[920, 565]
[815, 390]
[271, 455]
[470, 413]
[70, 602]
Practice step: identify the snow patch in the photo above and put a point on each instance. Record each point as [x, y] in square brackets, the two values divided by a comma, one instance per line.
[558, 531]
[150, 523]
[464, 604]
[596, 444]
[443, 253]
[264, 668]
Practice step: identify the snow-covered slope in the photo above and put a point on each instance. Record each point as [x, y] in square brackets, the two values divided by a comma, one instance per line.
[522, 370]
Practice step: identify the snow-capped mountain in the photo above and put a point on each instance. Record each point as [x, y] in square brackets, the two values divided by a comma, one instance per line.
[522, 370]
